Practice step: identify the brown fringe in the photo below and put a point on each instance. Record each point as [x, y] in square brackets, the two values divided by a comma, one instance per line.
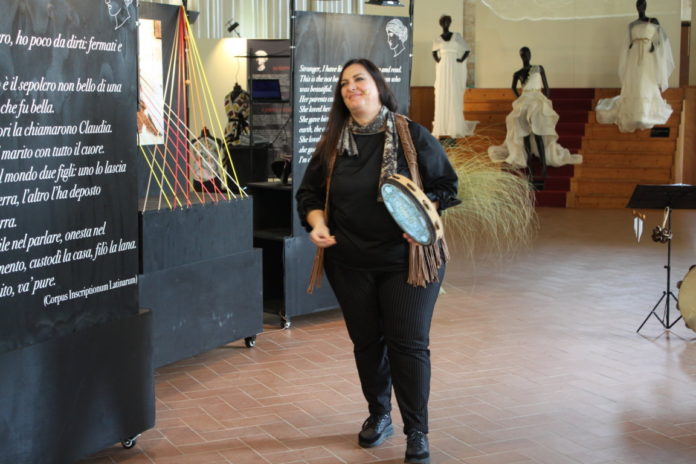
[317, 271]
[318, 265]
[423, 261]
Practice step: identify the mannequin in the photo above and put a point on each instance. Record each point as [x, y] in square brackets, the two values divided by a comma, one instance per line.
[645, 65]
[450, 52]
[522, 76]
[532, 115]
[237, 106]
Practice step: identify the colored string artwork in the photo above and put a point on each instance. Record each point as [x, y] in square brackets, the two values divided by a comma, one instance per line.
[184, 167]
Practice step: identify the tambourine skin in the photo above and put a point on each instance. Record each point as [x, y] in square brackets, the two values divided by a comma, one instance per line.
[686, 303]
[411, 209]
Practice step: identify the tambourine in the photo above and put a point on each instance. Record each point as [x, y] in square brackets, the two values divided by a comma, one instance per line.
[686, 303]
[412, 209]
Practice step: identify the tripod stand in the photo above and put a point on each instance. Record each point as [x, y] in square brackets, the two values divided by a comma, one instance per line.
[669, 197]
[662, 234]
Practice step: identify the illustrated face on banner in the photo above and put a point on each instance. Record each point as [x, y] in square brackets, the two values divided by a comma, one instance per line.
[261, 60]
[397, 35]
[118, 10]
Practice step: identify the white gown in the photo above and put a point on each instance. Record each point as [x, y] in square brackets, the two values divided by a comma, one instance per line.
[532, 113]
[644, 75]
[450, 84]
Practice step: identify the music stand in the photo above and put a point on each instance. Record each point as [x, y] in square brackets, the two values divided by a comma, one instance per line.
[667, 197]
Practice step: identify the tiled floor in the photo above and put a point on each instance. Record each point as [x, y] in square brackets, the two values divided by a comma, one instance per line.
[535, 360]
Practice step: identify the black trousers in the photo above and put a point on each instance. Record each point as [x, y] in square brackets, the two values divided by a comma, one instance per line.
[388, 321]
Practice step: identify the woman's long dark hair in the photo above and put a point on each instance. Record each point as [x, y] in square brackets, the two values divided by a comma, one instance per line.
[339, 114]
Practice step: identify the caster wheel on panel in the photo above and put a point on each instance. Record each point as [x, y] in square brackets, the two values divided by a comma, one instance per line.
[128, 443]
[250, 342]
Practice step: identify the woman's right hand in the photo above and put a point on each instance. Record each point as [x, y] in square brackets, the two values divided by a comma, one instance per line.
[321, 237]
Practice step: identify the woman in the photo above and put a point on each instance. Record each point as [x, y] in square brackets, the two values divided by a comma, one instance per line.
[532, 114]
[367, 256]
[644, 70]
[450, 52]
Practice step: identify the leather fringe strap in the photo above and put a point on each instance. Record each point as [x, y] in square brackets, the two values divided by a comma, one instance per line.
[318, 264]
[317, 271]
[423, 261]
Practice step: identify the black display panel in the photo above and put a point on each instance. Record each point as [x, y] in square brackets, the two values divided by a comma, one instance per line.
[68, 203]
[323, 43]
[268, 67]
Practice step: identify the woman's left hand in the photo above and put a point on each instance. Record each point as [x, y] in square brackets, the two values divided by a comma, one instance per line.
[409, 239]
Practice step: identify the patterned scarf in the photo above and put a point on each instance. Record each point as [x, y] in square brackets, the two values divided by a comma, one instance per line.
[383, 122]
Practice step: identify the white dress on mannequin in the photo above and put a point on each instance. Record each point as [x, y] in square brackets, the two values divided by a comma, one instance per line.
[532, 114]
[450, 84]
[644, 75]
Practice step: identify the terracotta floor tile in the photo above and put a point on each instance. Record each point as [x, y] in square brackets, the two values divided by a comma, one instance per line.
[536, 360]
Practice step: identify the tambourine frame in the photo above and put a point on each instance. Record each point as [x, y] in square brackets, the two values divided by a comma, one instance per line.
[411, 209]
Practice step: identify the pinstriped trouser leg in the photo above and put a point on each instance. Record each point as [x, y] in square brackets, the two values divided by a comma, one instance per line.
[389, 321]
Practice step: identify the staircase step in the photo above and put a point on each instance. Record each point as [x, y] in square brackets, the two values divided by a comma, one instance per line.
[627, 160]
[575, 128]
[557, 183]
[651, 145]
[612, 187]
[573, 104]
[498, 106]
[550, 198]
[488, 94]
[551, 171]
[641, 175]
[572, 115]
[673, 120]
[571, 142]
[487, 117]
[561, 93]
[598, 201]
[674, 93]
[675, 104]
[610, 131]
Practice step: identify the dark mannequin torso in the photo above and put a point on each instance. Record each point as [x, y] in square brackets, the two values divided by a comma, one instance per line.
[522, 75]
[445, 22]
[641, 5]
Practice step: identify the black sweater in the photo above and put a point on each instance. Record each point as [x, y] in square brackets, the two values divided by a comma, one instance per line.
[366, 235]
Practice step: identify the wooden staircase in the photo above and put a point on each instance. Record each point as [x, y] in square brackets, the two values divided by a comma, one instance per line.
[614, 162]
[491, 106]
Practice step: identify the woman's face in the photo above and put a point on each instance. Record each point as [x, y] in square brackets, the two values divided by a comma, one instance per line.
[359, 91]
[393, 39]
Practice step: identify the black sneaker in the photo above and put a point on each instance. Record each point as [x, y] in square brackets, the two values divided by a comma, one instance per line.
[375, 429]
[417, 449]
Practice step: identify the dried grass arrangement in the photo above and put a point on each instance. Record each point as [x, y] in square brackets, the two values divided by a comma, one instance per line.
[496, 217]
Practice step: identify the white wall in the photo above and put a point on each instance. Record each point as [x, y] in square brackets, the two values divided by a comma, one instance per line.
[223, 69]
[574, 53]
